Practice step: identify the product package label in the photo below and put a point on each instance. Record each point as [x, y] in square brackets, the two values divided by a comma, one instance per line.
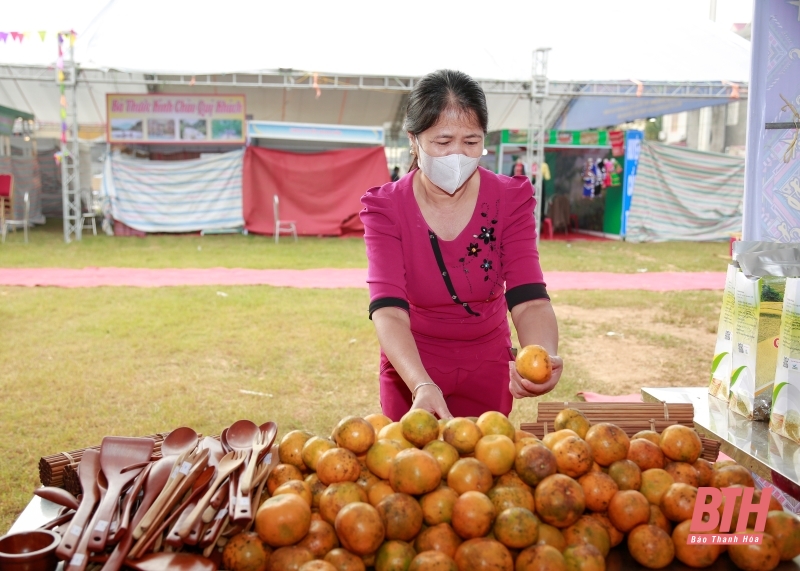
[721, 364]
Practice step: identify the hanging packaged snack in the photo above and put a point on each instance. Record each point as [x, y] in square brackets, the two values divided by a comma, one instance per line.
[785, 417]
[721, 364]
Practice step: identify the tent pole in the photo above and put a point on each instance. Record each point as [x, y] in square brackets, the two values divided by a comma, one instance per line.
[536, 127]
[70, 148]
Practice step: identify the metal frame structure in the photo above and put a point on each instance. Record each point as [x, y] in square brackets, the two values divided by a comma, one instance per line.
[534, 150]
[70, 154]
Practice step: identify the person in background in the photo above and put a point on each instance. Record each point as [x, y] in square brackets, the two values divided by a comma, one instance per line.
[395, 174]
[451, 249]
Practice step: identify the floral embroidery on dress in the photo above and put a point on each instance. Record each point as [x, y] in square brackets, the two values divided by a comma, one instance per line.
[487, 236]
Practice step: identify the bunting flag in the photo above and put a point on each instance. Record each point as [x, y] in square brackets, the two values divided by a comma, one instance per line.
[3, 36]
[16, 36]
[42, 34]
[20, 36]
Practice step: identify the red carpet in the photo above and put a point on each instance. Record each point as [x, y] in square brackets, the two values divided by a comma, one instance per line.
[327, 278]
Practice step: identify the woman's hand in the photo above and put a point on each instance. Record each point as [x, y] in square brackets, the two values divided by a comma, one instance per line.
[521, 388]
[430, 398]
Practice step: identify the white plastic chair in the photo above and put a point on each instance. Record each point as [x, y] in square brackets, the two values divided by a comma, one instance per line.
[282, 225]
[88, 210]
[14, 224]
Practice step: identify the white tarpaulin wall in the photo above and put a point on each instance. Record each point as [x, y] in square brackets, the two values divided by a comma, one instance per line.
[683, 194]
[176, 196]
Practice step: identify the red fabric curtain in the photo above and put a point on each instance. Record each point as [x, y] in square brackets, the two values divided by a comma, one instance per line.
[319, 191]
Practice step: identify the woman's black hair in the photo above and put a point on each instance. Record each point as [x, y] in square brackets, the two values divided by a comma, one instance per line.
[439, 91]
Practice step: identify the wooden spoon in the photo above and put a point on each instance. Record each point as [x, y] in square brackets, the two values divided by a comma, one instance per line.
[240, 437]
[171, 562]
[180, 440]
[118, 457]
[58, 496]
[88, 470]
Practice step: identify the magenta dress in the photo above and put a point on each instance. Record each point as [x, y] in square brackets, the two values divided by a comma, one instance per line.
[458, 292]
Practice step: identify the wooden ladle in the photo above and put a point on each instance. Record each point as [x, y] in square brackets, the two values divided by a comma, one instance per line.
[58, 496]
[180, 440]
[88, 470]
[171, 562]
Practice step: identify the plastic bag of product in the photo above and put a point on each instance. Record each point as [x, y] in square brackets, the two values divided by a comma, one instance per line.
[721, 364]
[785, 417]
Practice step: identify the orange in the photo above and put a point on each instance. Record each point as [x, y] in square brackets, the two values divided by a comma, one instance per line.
[559, 500]
[291, 448]
[534, 463]
[316, 488]
[343, 560]
[588, 530]
[552, 438]
[723, 463]
[762, 556]
[359, 528]
[366, 479]
[654, 483]
[650, 435]
[338, 465]
[378, 492]
[414, 472]
[516, 528]
[705, 473]
[394, 431]
[552, 536]
[433, 561]
[731, 475]
[651, 546]
[678, 501]
[473, 515]
[598, 489]
[693, 554]
[445, 454]
[298, 487]
[437, 506]
[354, 433]
[512, 479]
[573, 456]
[380, 456]
[615, 536]
[463, 434]
[482, 553]
[533, 363]
[469, 474]
[645, 454]
[317, 565]
[521, 443]
[320, 539]
[658, 519]
[681, 443]
[289, 558]
[584, 557]
[283, 520]
[281, 474]
[626, 474]
[682, 472]
[520, 434]
[572, 419]
[540, 558]
[338, 495]
[608, 442]
[511, 497]
[378, 421]
[627, 509]
[394, 555]
[492, 422]
[784, 527]
[440, 537]
[401, 515]
[497, 452]
[419, 427]
[313, 449]
[246, 551]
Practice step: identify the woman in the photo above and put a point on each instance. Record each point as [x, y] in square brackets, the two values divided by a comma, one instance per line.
[451, 248]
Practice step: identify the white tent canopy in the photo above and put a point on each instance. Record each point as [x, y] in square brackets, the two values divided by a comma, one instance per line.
[620, 40]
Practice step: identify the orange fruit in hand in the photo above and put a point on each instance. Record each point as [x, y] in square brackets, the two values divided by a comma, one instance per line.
[533, 363]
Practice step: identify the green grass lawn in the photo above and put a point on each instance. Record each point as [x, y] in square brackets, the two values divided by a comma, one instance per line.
[47, 249]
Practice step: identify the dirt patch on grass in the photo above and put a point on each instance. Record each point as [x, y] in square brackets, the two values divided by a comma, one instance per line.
[618, 351]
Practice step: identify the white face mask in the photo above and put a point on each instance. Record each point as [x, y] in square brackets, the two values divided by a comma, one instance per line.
[449, 172]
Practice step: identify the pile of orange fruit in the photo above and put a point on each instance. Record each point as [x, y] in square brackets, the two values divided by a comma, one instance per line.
[475, 494]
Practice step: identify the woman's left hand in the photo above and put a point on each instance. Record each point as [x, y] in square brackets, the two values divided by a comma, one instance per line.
[522, 388]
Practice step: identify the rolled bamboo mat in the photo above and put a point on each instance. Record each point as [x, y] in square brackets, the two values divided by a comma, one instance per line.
[52, 468]
[630, 417]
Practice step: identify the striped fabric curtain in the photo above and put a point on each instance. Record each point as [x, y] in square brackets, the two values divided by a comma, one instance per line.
[684, 194]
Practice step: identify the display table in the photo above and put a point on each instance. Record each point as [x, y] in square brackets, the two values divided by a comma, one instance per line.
[748, 442]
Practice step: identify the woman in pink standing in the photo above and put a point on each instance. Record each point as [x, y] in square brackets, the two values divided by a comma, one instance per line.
[451, 249]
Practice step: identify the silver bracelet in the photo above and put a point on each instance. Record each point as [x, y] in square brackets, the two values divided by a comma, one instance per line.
[414, 392]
